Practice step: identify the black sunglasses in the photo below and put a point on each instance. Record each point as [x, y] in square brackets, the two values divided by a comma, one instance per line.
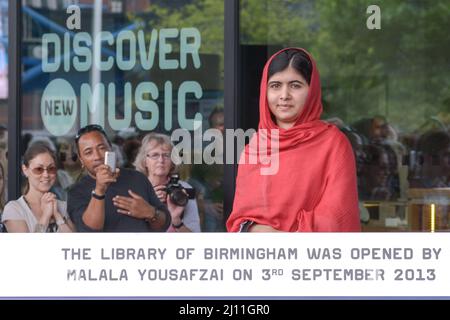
[89, 128]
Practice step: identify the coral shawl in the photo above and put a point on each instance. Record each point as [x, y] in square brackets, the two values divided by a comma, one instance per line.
[315, 186]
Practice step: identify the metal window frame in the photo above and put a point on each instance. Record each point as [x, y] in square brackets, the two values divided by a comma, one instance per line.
[231, 95]
[14, 97]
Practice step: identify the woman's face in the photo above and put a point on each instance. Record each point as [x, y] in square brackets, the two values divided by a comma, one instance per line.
[286, 93]
[158, 160]
[41, 172]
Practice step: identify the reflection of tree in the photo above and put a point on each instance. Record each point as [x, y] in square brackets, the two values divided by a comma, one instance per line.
[287, 22]
[205, 15]
[398, 71]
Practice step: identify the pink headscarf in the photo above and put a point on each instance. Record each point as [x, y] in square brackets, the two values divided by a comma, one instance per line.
[315, 186]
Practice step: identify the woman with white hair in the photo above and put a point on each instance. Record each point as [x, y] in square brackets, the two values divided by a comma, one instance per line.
[154, 160]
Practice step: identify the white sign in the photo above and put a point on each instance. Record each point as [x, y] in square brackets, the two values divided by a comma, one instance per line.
[225, 265]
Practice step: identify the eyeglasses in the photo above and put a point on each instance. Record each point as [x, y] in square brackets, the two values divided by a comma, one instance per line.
[89, 128]
[156, 156]
[40, 170]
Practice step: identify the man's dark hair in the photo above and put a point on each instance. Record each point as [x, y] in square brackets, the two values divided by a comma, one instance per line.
[87, 129]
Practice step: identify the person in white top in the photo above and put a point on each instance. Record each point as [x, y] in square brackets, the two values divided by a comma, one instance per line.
[38, 210]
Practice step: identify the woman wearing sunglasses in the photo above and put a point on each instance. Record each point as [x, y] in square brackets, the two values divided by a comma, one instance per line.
[38, 210]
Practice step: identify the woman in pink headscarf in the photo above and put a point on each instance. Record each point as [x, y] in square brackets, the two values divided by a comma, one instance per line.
[315, 186]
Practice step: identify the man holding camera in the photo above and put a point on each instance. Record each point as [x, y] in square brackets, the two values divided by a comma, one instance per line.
[112, 200]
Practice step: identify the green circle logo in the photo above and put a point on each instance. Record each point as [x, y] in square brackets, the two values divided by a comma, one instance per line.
[59, 107]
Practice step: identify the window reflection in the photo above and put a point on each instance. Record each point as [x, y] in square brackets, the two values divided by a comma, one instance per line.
[379, 86]
[167, 69]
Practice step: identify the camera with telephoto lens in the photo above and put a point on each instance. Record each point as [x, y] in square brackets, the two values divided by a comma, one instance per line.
[178, 194]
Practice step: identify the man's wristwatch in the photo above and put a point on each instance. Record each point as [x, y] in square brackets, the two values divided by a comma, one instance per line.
[154, 218]
[97, 196]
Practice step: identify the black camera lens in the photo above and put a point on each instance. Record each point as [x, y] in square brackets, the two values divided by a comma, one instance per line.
[178, 197]
[177, 193]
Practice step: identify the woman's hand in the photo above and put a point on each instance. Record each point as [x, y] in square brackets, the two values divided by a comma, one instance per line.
[48, 204]
[56, 213]
[161, 193]
[176, 212]
[64, 225]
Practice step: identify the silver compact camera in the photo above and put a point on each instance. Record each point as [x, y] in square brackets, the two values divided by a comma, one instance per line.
[110, 160]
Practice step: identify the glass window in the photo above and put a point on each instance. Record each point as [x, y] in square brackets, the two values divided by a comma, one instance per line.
[134, 67]
[386, 88]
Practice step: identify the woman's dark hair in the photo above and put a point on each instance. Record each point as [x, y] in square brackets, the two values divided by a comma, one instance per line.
[32, 152]
[294, 58]
[36, 149]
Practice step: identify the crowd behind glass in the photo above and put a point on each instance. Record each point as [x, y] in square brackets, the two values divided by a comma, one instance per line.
[389, 164]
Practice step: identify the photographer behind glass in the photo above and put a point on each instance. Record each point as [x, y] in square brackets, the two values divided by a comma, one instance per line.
[154, 160]
[112, 201]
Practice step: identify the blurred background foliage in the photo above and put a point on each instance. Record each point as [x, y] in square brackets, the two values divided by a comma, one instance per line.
[400, 71]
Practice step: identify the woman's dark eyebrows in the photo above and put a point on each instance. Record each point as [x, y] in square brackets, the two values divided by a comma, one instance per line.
[292, 81]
